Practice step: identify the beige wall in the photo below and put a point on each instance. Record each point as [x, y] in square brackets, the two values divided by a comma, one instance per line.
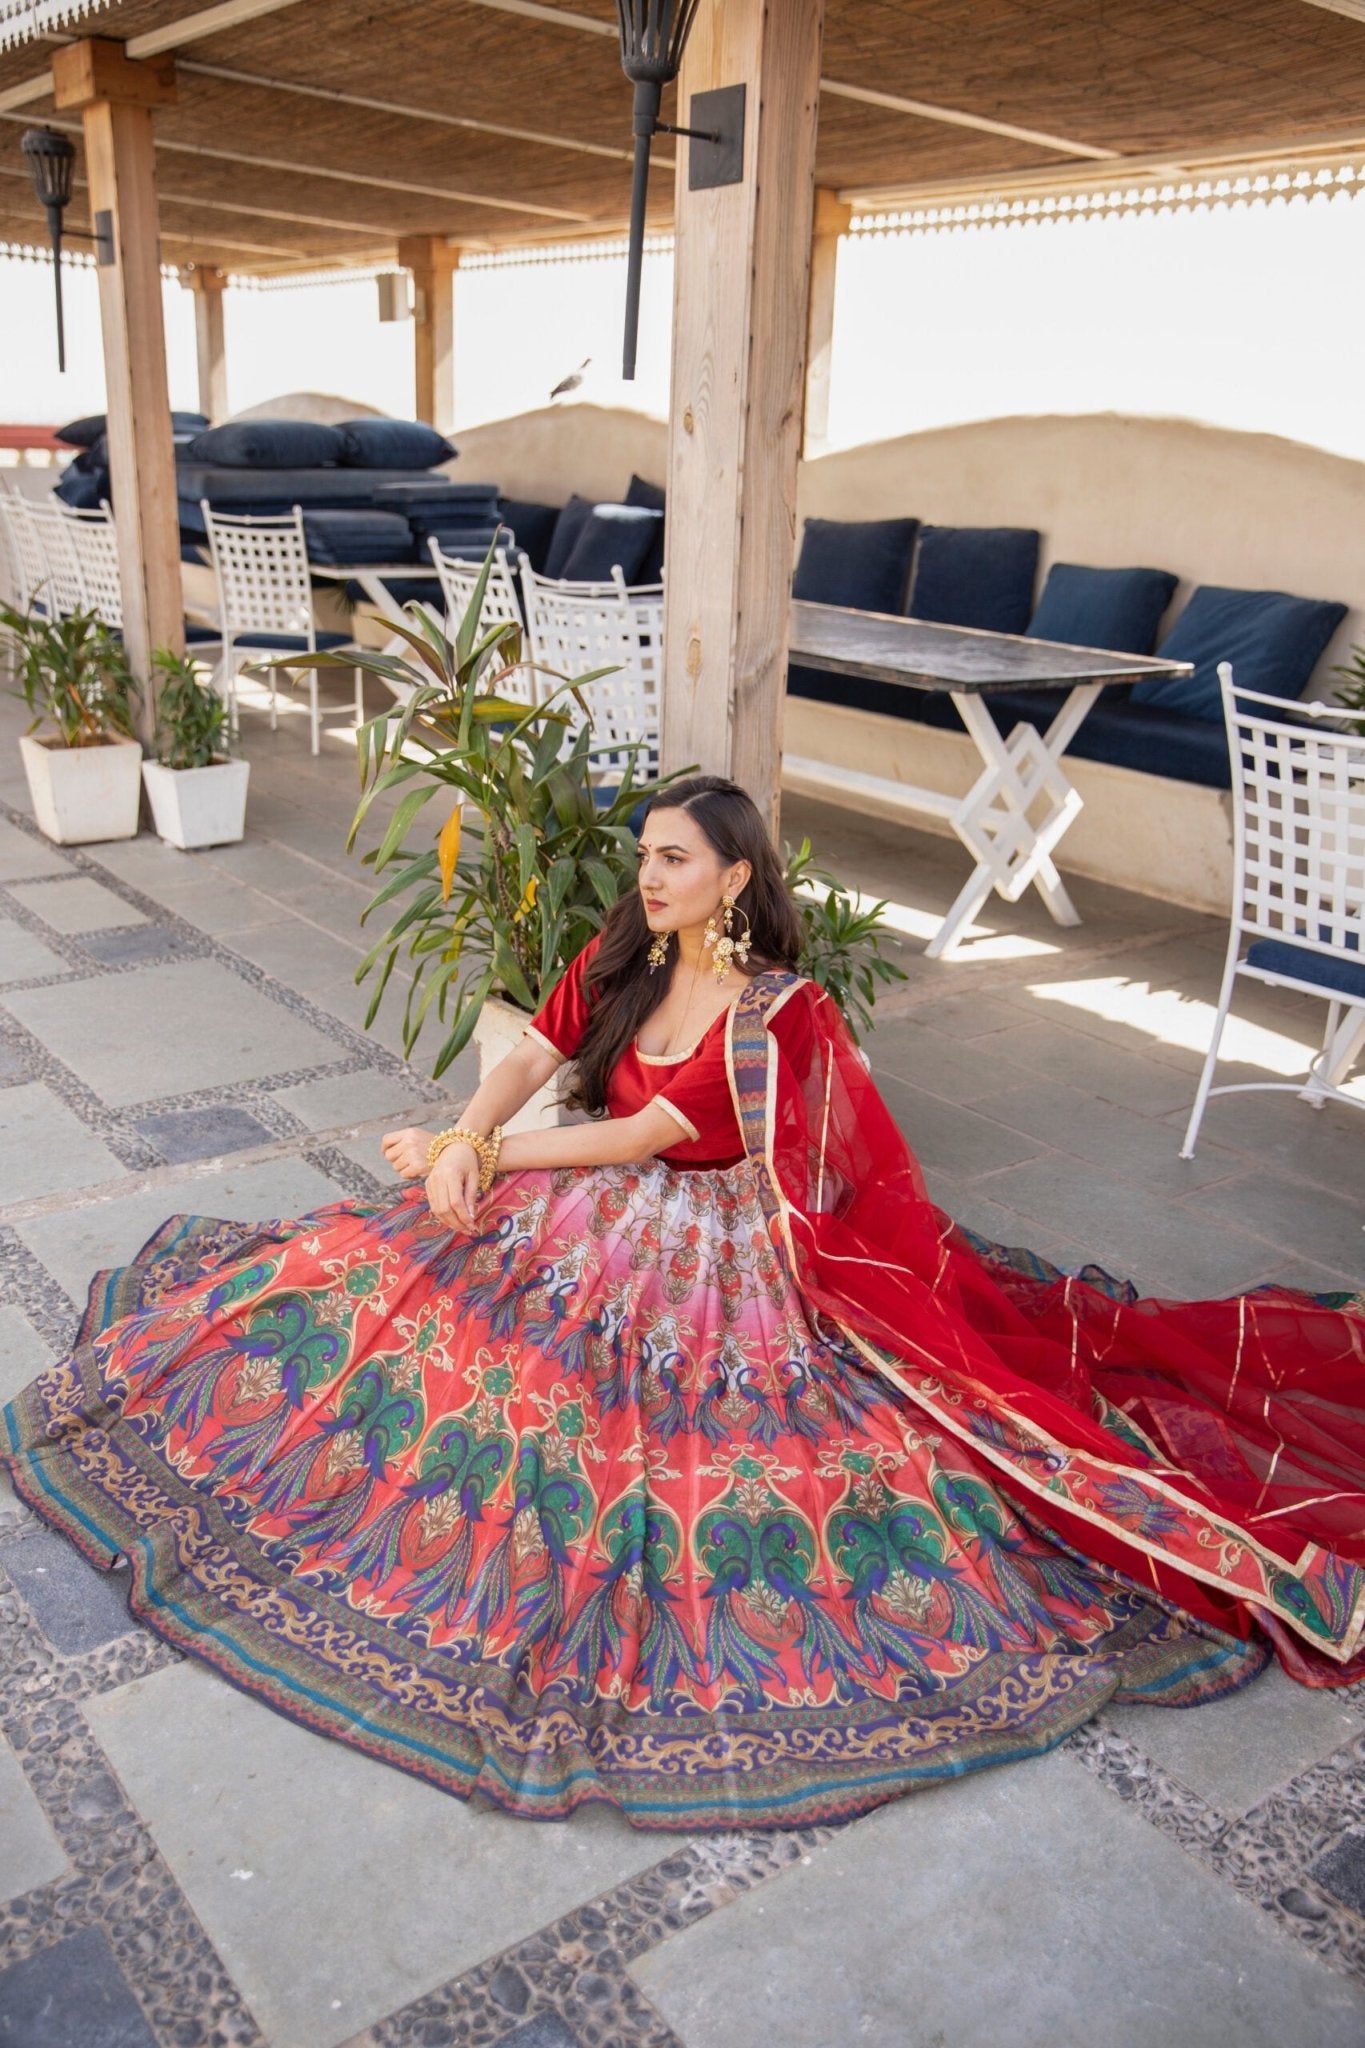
[1212, 505]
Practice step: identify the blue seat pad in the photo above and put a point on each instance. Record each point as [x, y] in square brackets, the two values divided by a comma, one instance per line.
[1326, 970]
[291, 643]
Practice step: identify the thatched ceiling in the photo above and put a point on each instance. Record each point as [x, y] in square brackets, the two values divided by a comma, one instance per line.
[321, 131]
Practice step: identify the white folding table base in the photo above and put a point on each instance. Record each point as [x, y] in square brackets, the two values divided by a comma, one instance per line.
[1012, 849]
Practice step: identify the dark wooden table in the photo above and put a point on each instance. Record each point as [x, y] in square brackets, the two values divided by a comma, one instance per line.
[1020, 805]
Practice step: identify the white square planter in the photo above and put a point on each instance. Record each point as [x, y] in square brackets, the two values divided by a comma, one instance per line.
[84, 794]
[198, 806]
[498, 1032]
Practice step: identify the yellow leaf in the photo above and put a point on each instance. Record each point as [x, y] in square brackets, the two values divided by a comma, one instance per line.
[527, 903]
[448, 851]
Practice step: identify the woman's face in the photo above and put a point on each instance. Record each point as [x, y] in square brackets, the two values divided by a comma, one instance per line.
[682, 877]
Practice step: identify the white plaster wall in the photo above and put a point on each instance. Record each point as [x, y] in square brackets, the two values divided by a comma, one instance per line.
[1212, 505]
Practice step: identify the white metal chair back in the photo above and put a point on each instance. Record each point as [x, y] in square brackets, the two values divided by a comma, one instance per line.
[92, 536]
[1298, 916]
[458, 576]
[15, 582]
[574, 630]
[261, 568]
[65, 588]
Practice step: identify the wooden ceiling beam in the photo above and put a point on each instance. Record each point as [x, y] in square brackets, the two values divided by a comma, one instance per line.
[210, 21]
[406, 112]
[954, 117]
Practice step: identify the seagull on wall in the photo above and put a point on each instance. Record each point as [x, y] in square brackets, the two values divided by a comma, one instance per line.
[572, 381]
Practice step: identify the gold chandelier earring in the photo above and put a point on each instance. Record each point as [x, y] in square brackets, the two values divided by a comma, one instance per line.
[723, 945]
[658, 951]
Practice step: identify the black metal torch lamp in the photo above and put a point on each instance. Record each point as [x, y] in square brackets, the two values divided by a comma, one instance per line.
[51, 158]
[653, 37]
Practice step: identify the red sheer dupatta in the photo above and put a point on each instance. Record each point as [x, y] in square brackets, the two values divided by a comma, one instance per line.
[1214, 1451]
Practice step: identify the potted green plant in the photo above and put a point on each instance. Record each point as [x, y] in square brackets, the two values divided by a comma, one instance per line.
[486, 911]
[196, 791]
[83, 773]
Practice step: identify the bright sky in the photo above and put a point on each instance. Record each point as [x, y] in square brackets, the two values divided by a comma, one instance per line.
[1244, 316]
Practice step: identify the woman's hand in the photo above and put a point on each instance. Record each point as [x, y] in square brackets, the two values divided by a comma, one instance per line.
[406, 1152]
[453, 1186]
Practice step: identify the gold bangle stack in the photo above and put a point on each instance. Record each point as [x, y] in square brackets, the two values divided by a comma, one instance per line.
[485, 1149]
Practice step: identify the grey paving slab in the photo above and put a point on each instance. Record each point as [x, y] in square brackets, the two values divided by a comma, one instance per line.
[45, 1148]
[30, 1853]
[340, 1099]
[1292, 1214]
[1236, 1751]
[77, 1606]
[12, 1062]
[953, 1068]
[947, 1135]
[1074, 1121]
[334, 1888]
[1025, 1908]
[71, 1995]
[1326, 1145]
[23, 1354]
[184, 1134]
[169, 1030]
[75, 1245]
[22, 857]
[78, 905]
[1114, 1073]
[299, 953]
[121, 947]
[215, 907]
[1342, 1870]
[24, 957]
[1137, 1232]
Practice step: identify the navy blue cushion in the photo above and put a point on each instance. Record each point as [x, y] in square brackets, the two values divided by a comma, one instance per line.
[84, 485]
[1281, 956]
[570, 523]
[267, 444]
[863, 563]
[1120, 609]
[84, 433]
[358, 536]
[532, 527]
[393, 444]
[612, 537]
[437, 490]
[975, 576]
[291, 643]
[202, 636]
[653, 497]
[1273, 641]
[403, 590]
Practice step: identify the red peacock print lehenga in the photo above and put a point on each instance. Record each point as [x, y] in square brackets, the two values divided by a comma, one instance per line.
[742, 1488]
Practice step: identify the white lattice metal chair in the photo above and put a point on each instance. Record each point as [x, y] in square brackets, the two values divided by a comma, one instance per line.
[91, 537]
[16, 585]
[1298, 913]
[500, 607]
[265, 604]
[575, 628]
[64, 591]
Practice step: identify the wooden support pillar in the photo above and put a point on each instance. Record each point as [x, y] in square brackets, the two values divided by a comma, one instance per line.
[739, 343]
[832, 218]
[433, 262]
[208, 285]
[115, 97]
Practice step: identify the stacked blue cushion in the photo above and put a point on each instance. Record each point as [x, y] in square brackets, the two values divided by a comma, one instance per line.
[864, 564]
[1119, 609]
[653, 498]
[532, 528]
[979, 576]
[267, 444]
[358, 536]
[392, 444]
[613, 537]
[572, 518]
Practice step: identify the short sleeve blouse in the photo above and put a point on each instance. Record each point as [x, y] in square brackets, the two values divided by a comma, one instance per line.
[693, 1086]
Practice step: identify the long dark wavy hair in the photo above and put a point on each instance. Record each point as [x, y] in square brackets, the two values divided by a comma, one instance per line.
[620, 987]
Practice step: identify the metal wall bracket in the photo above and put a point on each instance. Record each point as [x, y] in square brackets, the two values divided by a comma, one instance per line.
[103, 237]
[721, 114]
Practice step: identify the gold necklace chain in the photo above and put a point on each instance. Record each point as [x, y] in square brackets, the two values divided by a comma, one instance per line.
[672, 1046]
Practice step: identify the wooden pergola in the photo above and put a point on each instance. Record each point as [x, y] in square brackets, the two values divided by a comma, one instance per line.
[264, 137]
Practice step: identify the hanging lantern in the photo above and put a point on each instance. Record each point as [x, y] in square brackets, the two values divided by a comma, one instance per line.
[51, 160]
[653, 37]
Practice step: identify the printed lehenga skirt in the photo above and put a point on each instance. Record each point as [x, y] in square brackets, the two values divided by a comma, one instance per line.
[588, 1506]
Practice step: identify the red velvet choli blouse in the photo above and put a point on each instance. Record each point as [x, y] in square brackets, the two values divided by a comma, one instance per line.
[693, 1086]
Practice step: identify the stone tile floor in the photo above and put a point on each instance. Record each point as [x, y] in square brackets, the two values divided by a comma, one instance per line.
[179, 1866]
